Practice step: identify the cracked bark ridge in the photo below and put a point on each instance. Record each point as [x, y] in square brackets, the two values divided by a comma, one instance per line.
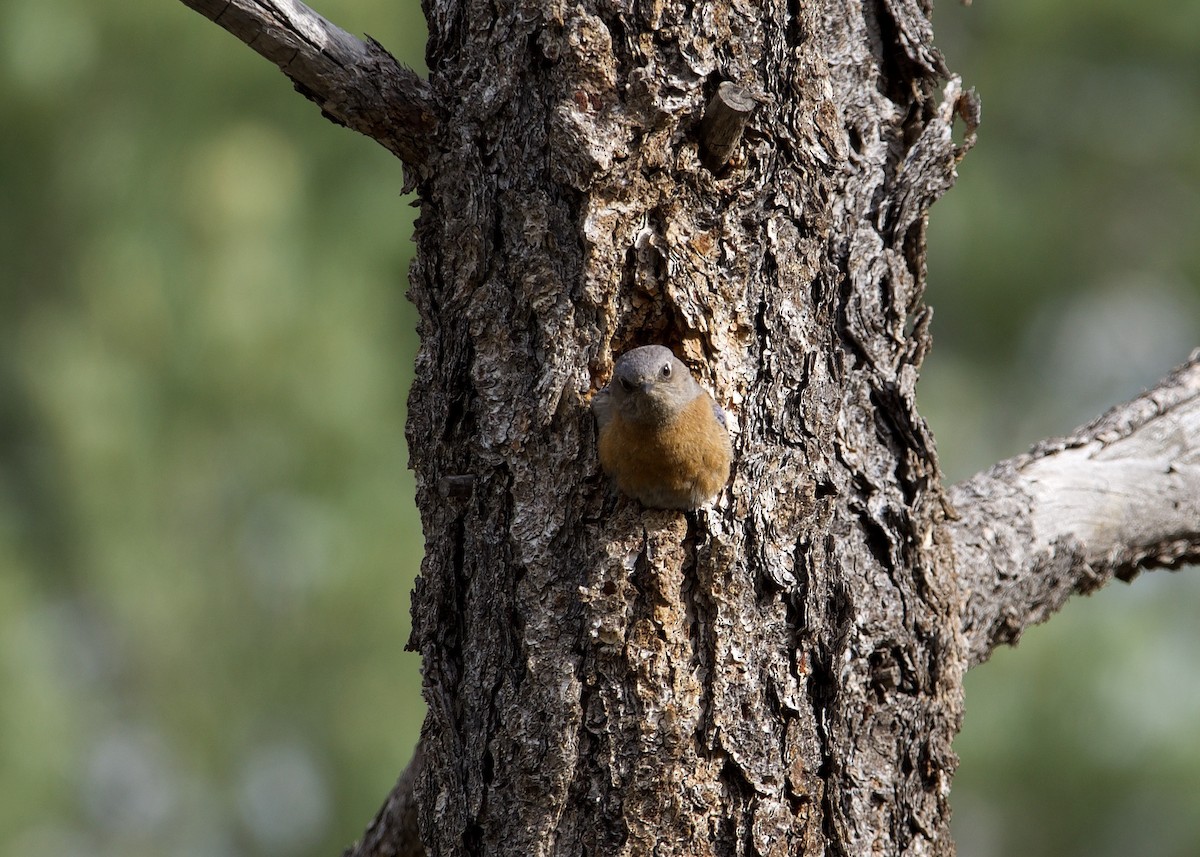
[356, 83]
[1115, 496]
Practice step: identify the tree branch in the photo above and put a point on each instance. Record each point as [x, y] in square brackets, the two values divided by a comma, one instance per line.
[1116, 496]
[355, 83]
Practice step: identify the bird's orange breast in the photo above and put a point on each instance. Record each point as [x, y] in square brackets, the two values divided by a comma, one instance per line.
[677, 465]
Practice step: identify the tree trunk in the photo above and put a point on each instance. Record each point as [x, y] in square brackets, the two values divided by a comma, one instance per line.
[780, 672]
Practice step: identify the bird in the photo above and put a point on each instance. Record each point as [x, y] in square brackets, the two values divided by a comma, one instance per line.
[662, 438]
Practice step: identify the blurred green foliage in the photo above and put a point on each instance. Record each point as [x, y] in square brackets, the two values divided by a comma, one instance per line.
[207, 535]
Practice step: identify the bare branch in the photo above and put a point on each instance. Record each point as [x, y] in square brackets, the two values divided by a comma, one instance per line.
[1116, 496]
[355, 83]
[724, 119]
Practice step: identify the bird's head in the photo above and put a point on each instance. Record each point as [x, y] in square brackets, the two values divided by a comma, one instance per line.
[651, 385]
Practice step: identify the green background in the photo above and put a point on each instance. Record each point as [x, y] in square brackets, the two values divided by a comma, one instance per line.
[207, 532]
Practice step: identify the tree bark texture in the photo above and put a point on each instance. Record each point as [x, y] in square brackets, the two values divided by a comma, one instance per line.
[779, 673]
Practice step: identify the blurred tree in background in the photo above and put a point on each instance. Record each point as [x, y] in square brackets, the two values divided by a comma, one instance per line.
[207, 534]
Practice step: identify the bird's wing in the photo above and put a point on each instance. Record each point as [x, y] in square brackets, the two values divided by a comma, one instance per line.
[719, 413]
[602, 407]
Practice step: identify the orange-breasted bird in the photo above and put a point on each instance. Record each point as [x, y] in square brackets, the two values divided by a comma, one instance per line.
[663, 439]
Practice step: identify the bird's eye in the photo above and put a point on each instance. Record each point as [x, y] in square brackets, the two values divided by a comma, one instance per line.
[666, 370]
[626, 385]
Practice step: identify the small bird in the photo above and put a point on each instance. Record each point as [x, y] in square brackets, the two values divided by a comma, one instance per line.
[663, 439]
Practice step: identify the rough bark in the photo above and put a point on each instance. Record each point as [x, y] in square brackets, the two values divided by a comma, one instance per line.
[779, 673]
[1113, 497]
